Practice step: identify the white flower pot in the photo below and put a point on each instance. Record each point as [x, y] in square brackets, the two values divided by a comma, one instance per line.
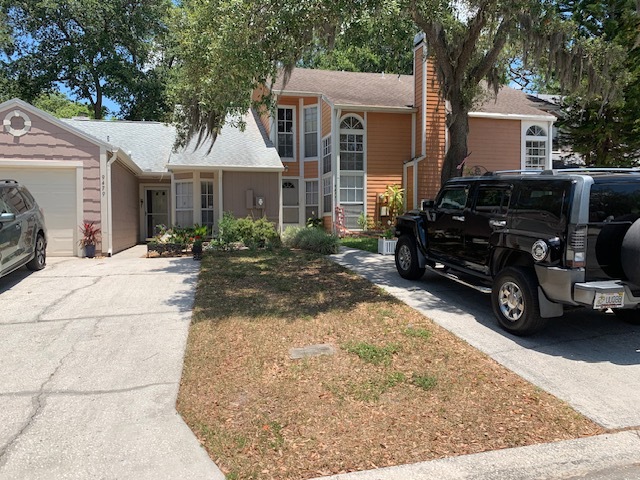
[387, 246]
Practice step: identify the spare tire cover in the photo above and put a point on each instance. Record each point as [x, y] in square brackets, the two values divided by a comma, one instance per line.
[630, 253]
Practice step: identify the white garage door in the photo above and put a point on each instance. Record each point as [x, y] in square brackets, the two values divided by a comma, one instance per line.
[55, 191]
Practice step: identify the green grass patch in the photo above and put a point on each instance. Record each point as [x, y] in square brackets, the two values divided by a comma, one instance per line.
[368, 244]
[422, 333]
[425, 382]
[371, 353]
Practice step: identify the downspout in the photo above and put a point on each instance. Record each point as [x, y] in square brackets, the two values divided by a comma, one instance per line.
[110, 162]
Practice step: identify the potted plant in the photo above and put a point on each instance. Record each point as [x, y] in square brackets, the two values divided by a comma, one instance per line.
[393, 197]
[90, 234]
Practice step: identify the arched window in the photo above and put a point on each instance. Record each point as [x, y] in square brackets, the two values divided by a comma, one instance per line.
[535, 155]
[352, 165]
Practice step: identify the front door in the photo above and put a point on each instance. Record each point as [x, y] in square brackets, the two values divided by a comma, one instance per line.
[290, 202]
[156, 209]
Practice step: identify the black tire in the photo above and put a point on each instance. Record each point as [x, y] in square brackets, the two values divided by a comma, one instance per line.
[514, 298]
[406, 256]
[39, 259]
[631, 316]
[630, 254]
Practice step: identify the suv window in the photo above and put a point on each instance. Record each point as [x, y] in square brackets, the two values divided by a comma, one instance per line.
[610, 201]
[540, 197]
[14, 200]
[454, 198]
[493, 199]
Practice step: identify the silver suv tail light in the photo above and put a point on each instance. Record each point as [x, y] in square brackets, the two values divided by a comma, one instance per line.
[577, 247]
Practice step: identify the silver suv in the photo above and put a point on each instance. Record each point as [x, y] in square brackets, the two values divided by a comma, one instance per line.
[23, 235]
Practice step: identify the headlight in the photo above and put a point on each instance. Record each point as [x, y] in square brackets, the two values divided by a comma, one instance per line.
[539, 250]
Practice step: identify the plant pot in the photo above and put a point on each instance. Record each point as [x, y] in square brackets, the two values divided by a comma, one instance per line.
[387, 246]
[90, 251]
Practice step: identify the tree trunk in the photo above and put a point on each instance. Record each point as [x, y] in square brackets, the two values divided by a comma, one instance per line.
[458, 124]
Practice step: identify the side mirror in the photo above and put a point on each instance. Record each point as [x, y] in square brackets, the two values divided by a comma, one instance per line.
[426, 204]
[7, 217]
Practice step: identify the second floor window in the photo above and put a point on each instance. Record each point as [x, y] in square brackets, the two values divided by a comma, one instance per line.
[351, 144]
[311, 132]
[285, 131]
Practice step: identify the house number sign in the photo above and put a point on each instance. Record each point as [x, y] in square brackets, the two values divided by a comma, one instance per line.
[17, 132]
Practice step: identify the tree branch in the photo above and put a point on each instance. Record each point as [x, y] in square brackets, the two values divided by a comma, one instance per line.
[491, 57]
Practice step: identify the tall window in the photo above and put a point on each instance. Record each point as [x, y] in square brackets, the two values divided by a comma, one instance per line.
[326, 195]
[184, 204]
[351, 192]
[285, 133]
[310, 132]
[535, 156]
[351, 144]
[206, 203]
[326, 154]
[311, 199]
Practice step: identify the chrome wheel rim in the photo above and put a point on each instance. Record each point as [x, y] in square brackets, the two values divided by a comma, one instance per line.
[404, 257]
[40, 251]
[511, 301]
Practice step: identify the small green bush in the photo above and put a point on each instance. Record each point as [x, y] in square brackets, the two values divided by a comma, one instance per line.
[371, 353]
[309, 238]
[259, 233]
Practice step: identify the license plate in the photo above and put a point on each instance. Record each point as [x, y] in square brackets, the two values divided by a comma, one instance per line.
[608, 300]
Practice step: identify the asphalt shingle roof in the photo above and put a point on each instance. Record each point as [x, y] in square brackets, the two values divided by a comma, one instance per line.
[150, 144]
[352, 88]
[510, 101]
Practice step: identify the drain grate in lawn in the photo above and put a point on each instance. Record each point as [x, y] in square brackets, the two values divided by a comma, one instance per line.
[398, 388]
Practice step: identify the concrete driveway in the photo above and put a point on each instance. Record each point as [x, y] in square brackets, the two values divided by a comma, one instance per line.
[90, 361]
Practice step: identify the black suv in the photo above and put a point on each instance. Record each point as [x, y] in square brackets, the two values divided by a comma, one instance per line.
[23, 235]
[537, 242]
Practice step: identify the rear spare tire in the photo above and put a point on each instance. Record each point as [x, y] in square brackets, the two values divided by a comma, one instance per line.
[514, 298]
[630, 253]
[406, 256]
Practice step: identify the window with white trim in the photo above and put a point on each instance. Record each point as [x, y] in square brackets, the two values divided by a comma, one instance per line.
[326, 154]
[310, 132]
[184, 204]
[285, 133]
[326, 194]
[206, 203]
[535, 155]
[351, 144]
[311, 199]
[351, 190]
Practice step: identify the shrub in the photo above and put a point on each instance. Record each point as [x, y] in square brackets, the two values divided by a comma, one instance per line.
[313, 239]
[253, 233]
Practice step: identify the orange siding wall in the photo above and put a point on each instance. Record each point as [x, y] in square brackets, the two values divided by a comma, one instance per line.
[311, 169]
[431, 167]
[388, 147]
[408, 192]
[326, 119]
[494, 144]
[417, 95]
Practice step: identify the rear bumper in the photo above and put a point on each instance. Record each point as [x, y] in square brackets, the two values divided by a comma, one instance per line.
[584, 293]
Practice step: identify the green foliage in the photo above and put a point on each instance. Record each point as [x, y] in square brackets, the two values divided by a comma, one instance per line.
[363, 221]
[425, 382]
[252, 233]
[96, 48]
[58, 105]
[394, 198]
[368, 244]
[371, 353]
[379, 41]
[417, 333]
[312, 239]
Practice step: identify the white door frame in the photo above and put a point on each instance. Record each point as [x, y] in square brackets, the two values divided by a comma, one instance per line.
[144, 187]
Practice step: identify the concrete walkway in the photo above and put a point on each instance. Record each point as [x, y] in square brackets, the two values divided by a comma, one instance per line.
[90, 360]
[588, 359]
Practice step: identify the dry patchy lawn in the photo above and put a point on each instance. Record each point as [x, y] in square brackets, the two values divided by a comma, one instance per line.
[399, 389]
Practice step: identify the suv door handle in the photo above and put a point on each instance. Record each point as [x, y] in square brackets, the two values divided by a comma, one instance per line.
[458, 218]
[498, 223]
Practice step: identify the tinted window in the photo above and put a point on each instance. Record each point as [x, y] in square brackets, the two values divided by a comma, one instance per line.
[493, 199]
[454, 199]
[611, 201]
[538, 197]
